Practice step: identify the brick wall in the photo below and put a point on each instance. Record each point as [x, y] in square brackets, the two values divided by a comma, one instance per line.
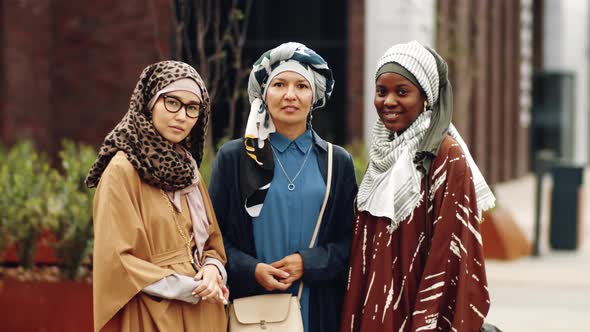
[26, 36]
[68, 68]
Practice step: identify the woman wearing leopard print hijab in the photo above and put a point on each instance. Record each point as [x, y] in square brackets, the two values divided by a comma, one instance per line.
[158, 254]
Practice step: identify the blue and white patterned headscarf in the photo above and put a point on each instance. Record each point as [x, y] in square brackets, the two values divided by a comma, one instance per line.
[257, 162]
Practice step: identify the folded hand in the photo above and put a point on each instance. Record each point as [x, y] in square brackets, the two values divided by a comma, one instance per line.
[293, 265]
[211, 289]
[268, 277]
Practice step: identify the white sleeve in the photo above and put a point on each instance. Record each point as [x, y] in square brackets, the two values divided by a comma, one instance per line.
[215, 262]
[174, 287]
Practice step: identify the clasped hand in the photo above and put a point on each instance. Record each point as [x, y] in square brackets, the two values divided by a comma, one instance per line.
[281, 274]
[212, 287]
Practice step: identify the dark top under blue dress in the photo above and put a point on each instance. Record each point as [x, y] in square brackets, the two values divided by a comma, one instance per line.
[325, 265]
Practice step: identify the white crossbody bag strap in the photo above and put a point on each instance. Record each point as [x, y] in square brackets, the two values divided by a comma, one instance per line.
[320, 217]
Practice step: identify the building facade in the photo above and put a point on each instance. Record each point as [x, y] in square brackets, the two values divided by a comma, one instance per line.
[67, 68]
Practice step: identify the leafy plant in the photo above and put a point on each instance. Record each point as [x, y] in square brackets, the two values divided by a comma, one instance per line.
[208, 157]
[26, 185]
[72, 223]
[3, 201]
[358, 150]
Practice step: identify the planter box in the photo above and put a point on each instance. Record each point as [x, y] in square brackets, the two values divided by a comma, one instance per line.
[45, 306]
[44, 253]
[502, 238]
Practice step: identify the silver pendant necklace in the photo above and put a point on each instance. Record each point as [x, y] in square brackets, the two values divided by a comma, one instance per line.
[291, 185]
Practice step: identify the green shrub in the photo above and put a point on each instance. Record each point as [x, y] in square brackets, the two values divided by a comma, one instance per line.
[208, 157]
[72, 223]
[358, 150]
[207, 164]
[27, 184]
[3, 201]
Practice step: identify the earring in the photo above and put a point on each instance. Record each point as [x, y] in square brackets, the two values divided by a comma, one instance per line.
[425, 105]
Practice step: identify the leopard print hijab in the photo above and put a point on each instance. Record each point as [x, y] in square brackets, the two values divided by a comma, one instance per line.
[157, 160]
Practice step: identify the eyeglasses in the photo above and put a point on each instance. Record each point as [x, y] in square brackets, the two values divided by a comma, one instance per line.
[173, 105]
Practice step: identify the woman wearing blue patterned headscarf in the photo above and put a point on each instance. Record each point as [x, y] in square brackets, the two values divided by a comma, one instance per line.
[268, 214]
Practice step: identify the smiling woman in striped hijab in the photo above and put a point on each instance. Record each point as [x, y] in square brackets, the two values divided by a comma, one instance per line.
[417, 260]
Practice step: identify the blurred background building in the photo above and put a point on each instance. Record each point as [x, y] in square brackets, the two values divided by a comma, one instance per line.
[519, 68]
[67, 68]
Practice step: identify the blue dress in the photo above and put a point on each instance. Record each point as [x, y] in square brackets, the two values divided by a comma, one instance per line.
[288, 218]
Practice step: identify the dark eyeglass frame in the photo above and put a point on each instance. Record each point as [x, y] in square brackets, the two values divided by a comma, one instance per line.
[200, 107]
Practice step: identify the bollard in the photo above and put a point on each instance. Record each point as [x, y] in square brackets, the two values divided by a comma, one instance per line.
[565, 207]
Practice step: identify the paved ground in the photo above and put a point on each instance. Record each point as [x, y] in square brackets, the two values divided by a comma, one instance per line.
[546, 293]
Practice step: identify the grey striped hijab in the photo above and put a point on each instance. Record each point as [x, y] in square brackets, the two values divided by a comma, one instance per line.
[391, 185]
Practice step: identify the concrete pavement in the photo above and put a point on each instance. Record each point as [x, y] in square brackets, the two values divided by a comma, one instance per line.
[546, 293]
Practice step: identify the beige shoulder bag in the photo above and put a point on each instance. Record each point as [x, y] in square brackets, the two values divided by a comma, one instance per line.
[275, 312]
